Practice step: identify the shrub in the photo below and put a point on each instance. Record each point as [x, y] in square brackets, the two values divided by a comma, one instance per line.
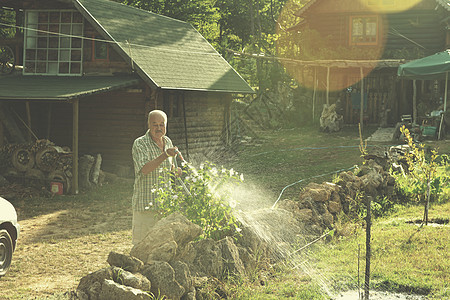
[421, 181]
[199, 196]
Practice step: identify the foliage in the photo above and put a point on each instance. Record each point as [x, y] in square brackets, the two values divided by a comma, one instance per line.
[420, 181]
[200, 197]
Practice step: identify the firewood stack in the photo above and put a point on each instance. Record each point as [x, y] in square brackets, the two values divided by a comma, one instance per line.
[40, 164]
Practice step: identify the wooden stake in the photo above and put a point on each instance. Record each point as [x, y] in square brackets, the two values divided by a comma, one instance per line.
[414, 102]
[328, 86]
[368, 250]
[361, 111]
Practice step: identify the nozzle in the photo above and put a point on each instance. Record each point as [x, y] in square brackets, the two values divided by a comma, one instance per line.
[181, 156]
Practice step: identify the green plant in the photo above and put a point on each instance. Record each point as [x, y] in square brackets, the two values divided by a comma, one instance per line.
[200, 197]
[420, 182]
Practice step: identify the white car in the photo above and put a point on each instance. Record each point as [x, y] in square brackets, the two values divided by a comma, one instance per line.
[9, 233]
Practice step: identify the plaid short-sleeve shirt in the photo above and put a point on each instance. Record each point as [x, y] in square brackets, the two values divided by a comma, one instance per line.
[145, 150]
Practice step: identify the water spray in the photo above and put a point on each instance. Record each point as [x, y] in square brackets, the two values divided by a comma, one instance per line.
[178, 178]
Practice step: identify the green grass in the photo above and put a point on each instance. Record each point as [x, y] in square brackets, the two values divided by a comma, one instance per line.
[66, 237]
[405, 258]
[287, 156]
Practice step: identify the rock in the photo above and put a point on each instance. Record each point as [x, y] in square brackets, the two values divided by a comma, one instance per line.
[169, 236]
[128, 263]
[183, 276]
[230, 255]
[137, 281]
[162, 276]
[334, 207]
[204, 258]
[330, 120]
[316, 192]
[114, 291]
[328, 220]
[372, 181]
[247, 259]
[90, 285]
[305, 214]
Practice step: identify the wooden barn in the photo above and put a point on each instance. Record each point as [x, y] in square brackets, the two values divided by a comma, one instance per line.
[93, 69]
[359, 45]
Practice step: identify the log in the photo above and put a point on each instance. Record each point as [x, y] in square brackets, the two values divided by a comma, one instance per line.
[95, 171]
[85, 165]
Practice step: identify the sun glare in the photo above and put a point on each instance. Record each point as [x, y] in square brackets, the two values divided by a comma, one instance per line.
[389, 6]
[317, 43]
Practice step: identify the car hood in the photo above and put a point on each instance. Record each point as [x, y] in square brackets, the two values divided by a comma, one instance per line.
[8, 213]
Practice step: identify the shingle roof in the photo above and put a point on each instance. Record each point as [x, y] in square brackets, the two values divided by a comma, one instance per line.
[60, 88]
[167, 52]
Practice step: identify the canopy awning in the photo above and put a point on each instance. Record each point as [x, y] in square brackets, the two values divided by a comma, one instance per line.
[428, 68]
[55, 88]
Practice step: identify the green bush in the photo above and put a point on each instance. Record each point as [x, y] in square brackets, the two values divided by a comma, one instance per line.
[199, 196]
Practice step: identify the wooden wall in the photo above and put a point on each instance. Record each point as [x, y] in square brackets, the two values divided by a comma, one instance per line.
[110, 122]
[421, 25]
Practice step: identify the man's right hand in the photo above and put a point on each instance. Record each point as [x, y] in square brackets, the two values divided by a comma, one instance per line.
[171, 152]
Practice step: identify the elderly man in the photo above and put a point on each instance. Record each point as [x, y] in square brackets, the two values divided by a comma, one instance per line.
[153, 155]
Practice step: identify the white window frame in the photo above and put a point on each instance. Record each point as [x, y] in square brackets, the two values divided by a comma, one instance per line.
[53, 44]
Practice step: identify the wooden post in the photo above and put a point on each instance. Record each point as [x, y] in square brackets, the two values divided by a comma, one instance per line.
[414, 102]
[314, 94]
[361, 110]
[49, 121]
[185, 125]
[2, 135]
[446, 91]
[28, 111]
[75, 106]
[328, 86]
[368, 249]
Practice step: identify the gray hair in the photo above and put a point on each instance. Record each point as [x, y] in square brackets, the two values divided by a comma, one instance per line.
[157, 112]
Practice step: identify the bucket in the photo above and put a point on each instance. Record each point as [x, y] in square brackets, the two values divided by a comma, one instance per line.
[429, 130]
[56, 188]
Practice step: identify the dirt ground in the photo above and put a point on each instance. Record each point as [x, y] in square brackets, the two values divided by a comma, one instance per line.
[64, 238]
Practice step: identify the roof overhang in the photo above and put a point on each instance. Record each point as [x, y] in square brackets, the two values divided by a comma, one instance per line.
[58, 88]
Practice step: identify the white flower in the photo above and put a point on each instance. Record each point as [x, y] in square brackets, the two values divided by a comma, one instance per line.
[160, 170]
[194, 179]
[183, 163]
[231, 172]
[214, 171]
[174, 197]
[146, 208]
[202, 165]
[241, 177]
[153, 190]
[224, 170]
[238, 229]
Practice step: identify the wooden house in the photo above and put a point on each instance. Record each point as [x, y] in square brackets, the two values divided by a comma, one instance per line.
[364, 42]
[93, 69]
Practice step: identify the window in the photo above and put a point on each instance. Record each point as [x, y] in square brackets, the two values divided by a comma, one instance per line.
[53, 43]
[364, 30]
[100, 49]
